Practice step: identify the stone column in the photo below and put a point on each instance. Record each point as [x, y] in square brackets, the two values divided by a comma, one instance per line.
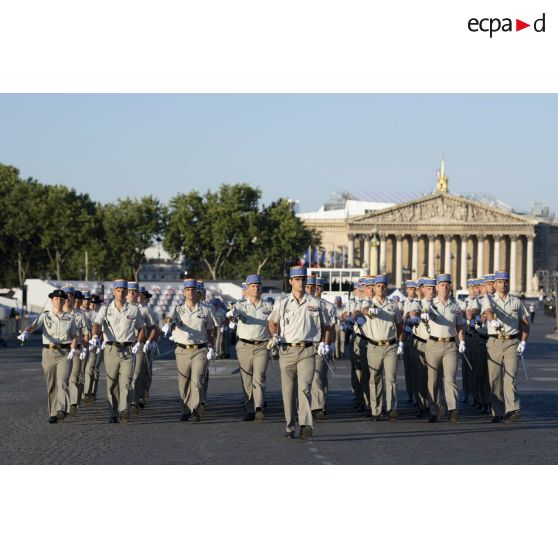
[530, 266]
[382, 254]
[513, 264]
[414, 259]
[463, 262]
[447, 255]
[351, 256]
[374, 256]
[366, 256]
[497, 243]
[431, 269]
[398, 260]
[480, 255]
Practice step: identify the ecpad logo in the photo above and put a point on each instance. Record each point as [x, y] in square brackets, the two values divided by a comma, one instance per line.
[492, 25]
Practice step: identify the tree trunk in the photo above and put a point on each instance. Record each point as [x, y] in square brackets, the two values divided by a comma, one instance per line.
[261, 264]
[211, 269]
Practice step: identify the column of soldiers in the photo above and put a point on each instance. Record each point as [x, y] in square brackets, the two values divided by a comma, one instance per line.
[427, 333]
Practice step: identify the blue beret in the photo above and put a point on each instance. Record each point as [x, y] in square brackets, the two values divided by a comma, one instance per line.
[380, 279]
[243, 285]
[190, 284]
[411, 284]
[356, 285]
[471, 282]
[478, 281]
[489, 277]
[120, 284]
[86, 295]
[428, 281]
[68, 289]
[311, 280]
[443, 277]
[319, 282]
[253, 279]
[200, 285]
[133, 286]
[142, 289]
[502, 275]
[298, 271]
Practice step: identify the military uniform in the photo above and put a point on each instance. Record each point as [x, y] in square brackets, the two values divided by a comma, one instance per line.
[502, 349]
[58, 333]
[380, 334]
[300, 325]
[119, 328]
[94, 359]
[441, 351]
[191, 338]
[251, 348]
[408, 350]
[340, 330]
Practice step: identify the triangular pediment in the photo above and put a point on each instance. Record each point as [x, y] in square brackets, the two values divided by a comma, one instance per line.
[443, 208]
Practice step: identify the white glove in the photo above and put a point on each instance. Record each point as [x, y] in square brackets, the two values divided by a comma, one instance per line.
[496, 324]
[425, 316]
[326, 350]
[83, 354]
[400, 348]
[165, 329]
[98, 350]
[94, 341]
[232, 325]
[231, 314]
[372, 311]
[23, 337]
[275, 341]
[210, 354]
[321, 347]
[521, 347]
[361, 320]
[171, 338]
[103, 345]
[71, 354]
[461, 346]
[136, 348]
[146, 346]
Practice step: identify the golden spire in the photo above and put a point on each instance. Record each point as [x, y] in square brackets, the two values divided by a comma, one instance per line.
[442, 179]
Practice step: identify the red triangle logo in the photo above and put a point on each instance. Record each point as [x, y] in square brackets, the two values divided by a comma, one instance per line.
[519, 25]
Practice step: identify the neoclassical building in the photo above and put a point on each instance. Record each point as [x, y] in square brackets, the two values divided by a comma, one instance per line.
[444, 232]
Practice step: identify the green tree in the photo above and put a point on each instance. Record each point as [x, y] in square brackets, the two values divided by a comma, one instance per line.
[129, 229]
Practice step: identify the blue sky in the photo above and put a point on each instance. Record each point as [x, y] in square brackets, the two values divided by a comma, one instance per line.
[298, 146]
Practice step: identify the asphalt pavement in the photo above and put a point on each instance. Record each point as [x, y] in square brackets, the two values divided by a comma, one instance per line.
[157, 436]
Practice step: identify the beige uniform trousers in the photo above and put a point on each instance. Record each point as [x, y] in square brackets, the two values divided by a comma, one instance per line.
[441, 360]
[92, 369]
[119, 367]
[421, 375]
[380, 361]
[55, 368]
[320, 384]
[409, 364]
[339, 342]
[361, 372]
[192, 366]
[502, 369]
[297, 373]
[252, 360]
[76, 380]
[140, 377]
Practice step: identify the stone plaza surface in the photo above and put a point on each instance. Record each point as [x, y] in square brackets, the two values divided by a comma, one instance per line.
[157, 436]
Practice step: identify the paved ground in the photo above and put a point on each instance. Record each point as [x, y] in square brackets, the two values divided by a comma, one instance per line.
[158, 437]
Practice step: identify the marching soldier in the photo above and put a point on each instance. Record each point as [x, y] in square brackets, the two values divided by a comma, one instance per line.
[94, 358]
[59, 346]
[193, 327]
[75, 382]
[251, 316]
[408, 359]
[148, 349]
[383, 338]
[320, 382]
[445, 321]
[340, 332]
[121, 325]
[201, 294]
[469, 308]
[508, 320]
[297, 323]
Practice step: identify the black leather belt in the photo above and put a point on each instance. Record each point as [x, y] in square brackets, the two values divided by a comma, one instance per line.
[419, 338]
[305, 344]
[194, 346]
[53, 346]
[385, 343]
[442, 339]
[252, 342]
[118, 344]
[498, 336]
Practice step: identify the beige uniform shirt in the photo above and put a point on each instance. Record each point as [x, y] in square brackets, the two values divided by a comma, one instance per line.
[253, 320]
[57, 330]
[444, 318]
[192, 325]
[382, 327]
[419, 306]
[353, 305]
[329, 309]
[154, 316]
[300, 321]
[119, 325]
[82, 324]
[510, 311]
